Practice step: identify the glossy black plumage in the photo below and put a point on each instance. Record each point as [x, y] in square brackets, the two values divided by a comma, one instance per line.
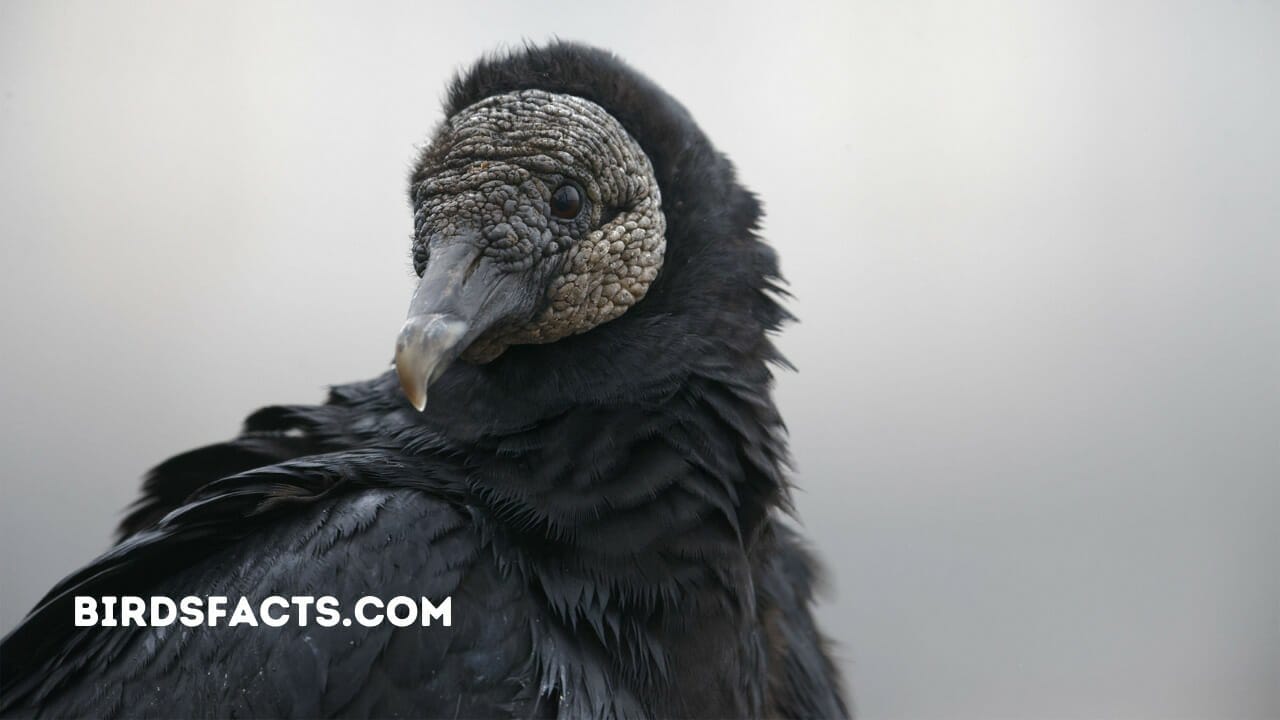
[604, 510]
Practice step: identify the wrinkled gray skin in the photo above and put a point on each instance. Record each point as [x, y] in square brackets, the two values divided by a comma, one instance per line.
[498, 268]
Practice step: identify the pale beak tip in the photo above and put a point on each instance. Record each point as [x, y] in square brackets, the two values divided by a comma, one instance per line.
[424, 348]
[411, 384]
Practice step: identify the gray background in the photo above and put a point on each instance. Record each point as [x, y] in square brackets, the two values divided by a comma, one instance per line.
[1034, 249]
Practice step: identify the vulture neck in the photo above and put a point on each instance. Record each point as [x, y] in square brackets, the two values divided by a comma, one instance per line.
[624, 437]
[641, 459]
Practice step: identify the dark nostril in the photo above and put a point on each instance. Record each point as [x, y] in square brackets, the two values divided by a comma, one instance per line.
[471, 266]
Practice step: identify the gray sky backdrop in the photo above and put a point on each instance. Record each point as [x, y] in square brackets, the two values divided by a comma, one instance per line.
[1035, 250]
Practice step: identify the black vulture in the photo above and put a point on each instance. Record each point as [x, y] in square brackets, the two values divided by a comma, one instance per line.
[596, 487]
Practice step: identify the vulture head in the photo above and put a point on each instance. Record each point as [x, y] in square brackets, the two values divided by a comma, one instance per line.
[537, 216]
[572, 220]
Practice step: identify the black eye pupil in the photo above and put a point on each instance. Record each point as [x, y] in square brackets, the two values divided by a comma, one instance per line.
[566, 202]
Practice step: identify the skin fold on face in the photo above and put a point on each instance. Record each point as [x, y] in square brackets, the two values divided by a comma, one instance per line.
[536, 217]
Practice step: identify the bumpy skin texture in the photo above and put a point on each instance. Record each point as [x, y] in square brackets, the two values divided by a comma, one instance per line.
[492, 168]
[606, 510]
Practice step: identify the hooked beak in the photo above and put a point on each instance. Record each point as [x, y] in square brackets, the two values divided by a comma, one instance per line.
[425, 347]
[460, 296]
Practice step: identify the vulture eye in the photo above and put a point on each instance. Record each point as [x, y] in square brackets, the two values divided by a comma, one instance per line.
[566, 202]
